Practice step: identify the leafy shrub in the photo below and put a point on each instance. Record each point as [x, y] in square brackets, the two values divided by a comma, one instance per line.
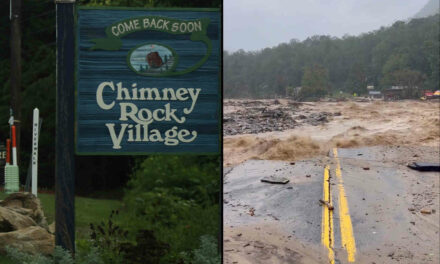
[60, 256]
[178, 198]
[188, 177]
[108, 238]
[161, 207]
[207, 253]
[146, 250]
[114, 246]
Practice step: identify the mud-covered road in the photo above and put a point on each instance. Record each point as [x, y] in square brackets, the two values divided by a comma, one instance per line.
[375, 210]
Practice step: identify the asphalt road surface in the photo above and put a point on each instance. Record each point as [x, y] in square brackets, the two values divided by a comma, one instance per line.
[373, 208]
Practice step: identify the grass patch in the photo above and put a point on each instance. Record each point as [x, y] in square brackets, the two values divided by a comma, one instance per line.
[5, 260]
[87, 210]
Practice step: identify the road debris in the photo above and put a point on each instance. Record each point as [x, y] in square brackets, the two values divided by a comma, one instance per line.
[426, 211]
[253, 117]
[424, 166]
[329, 206]
[275, 180]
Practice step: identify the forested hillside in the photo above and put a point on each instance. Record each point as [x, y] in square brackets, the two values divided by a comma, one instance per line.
[404, 54]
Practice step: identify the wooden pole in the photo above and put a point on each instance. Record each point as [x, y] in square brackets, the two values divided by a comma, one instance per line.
[15, 17]
[65, 166]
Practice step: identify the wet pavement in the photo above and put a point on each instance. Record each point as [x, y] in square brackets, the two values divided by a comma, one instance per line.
[377, 203]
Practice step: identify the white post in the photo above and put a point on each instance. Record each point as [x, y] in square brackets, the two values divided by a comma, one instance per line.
[35, 151]
[14, 147]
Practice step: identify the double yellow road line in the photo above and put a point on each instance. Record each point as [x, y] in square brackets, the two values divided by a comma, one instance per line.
[327, 237]
[346, 228]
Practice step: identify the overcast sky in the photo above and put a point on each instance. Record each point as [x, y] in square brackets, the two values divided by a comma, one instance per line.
[257, 24]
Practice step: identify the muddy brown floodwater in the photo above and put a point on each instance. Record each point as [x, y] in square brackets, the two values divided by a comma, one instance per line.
[285, 130]
[269, 223]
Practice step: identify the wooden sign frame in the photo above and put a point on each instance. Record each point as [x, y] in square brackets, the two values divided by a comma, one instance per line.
[112, 127]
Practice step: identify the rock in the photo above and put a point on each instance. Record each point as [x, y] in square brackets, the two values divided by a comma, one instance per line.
[22, 211]
[51, 228]
[426, 211]
[12, 221]
[32, 240]
[26, 204]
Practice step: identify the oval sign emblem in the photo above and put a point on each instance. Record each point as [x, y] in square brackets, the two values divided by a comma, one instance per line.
[152, 59]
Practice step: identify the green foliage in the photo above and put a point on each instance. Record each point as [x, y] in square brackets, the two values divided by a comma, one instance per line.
[352, 63]
[59, 256]
[86, 253]
[20, 257]
[112, 242]
[187, 177]
[410, 80]
[162, 207]
[146, 250]
[290, 91]
[177, 197]
[109, 237]
[207, 253]
[315, 82]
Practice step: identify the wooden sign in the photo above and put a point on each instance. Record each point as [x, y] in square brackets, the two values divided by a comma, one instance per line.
[147, 81]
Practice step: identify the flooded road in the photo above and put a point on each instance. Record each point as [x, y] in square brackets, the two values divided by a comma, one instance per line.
[350, 197]
[347, 125]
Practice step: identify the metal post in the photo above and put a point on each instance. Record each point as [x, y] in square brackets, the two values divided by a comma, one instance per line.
[65, 166]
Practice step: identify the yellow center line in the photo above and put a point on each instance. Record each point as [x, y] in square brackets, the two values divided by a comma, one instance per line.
[347, 237]
[327, 218]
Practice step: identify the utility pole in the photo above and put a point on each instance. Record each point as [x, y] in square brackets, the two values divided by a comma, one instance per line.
[15, 17]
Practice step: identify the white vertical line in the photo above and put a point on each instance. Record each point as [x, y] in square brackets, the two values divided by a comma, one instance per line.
[35, 151]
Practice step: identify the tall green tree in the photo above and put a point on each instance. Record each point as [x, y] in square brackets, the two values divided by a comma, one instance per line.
[315, 82]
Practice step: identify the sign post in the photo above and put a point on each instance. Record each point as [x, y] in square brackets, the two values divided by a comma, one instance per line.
[147, 81]
[65, 167]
